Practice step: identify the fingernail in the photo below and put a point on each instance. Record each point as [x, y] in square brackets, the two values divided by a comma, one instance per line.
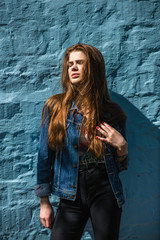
[97, 127]
[96, 136]
[102, 122]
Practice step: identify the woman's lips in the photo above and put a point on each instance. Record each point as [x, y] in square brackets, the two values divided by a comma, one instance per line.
[75, 75]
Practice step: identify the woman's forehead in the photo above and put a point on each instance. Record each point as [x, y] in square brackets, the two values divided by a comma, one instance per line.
[77, 55]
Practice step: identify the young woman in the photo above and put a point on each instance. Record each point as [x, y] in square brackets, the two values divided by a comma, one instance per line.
[82, 149]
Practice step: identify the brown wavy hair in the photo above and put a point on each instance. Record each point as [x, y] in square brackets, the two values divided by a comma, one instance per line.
[91, 96]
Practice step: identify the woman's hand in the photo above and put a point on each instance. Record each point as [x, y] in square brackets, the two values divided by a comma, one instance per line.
[113, 137]
[46, 213]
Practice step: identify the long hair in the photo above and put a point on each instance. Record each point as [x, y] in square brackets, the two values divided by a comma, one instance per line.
[91, 96]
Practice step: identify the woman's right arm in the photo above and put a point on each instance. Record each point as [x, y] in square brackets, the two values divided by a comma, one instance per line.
[45, 163]
[45, 175]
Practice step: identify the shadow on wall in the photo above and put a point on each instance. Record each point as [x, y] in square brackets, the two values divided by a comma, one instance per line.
[141, 182]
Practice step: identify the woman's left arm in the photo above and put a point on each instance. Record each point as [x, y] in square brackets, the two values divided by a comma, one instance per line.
[114, 138]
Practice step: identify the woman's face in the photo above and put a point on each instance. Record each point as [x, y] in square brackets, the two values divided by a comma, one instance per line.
[77, 60]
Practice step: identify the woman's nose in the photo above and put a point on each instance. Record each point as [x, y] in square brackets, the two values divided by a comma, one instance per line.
[74, 66]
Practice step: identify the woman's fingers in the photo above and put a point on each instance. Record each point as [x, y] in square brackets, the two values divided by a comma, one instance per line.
[43, 221]
[102, 131]
[110, 135]
[105, 129]
[113, 137]
[102, 139]
[48, 223]
[106, 126]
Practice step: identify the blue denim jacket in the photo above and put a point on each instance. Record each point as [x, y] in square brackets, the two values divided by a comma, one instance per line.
[57, 172]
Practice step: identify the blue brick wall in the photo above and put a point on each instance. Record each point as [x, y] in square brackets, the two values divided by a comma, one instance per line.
[33, 37]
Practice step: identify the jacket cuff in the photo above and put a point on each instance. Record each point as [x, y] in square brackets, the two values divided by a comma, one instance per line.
[43, 190]
[122, 165]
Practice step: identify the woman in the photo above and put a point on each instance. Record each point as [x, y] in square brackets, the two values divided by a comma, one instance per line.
[82, 149]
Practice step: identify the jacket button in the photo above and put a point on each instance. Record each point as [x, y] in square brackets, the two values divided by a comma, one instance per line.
[78, 127]
[75, 146]
[73, 186]
[74, 165]
[71, 197]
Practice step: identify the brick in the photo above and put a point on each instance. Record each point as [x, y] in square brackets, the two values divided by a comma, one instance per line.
[9, 110]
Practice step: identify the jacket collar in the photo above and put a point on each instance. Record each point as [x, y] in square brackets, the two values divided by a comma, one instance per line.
[74, 106]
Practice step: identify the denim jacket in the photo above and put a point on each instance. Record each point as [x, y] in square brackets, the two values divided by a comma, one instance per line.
[57, 172]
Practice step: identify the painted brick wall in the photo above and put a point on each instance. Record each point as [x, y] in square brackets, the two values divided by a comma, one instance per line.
[33, 37]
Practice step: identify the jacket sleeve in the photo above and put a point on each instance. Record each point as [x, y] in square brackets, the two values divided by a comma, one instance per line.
[45, 163]
[123, 165]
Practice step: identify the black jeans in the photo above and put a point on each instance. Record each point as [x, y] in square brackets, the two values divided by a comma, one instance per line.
[95, 199]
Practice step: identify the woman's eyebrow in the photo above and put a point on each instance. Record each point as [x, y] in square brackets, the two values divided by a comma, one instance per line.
[78, 60]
